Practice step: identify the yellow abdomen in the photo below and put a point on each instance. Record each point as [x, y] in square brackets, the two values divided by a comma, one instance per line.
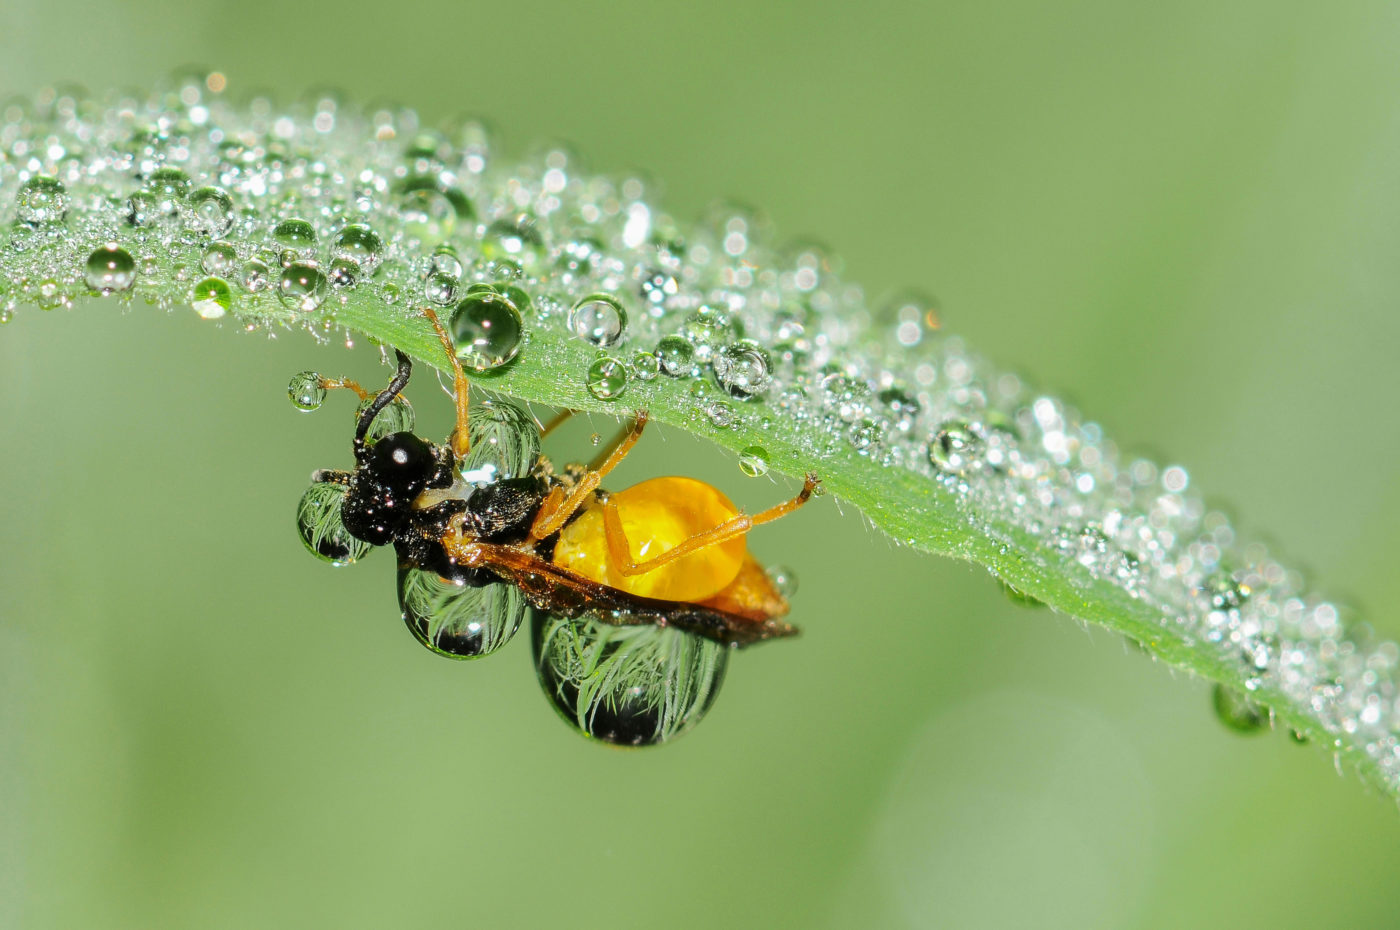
[657, 515]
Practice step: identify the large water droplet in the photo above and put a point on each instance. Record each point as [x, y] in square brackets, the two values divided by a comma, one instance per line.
[1237, 711]
[607, 378]
[41, 200]
[110, 269]
[954, 447]
[743, 369]
[677, 356]
[306, 391]
[753, 461]
[321, 529]
[458, 620]
[301, 287]
[599, 319]
[505, 442]
[486, 329]
[296, 235]
[626, 685]
[708, 330]
[210, 211]
[219, 259]
[359, 244]
[168, 187]
[211, 298]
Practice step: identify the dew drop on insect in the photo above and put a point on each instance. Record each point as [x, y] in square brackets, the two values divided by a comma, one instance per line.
[210, 211]
[1237, 711]
[360, 244]
[321, 529]
[396, 417]
[41, 200]
[301, 287]
[784, 579]
[306, 391]
[505, 442]
[607, 378]
[742, 369]
[676, 356]
[599, 319]
[219, 260]
[626, 685]
[211, 298]
[110, 269]
[297, 235]
[456, 619]
[753, 461]
[954, 447]
[486, 329]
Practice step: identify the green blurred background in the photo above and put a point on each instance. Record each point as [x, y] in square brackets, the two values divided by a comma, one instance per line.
[1184, 216]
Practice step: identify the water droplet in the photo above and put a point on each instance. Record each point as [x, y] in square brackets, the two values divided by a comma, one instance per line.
[505, 442]
[301, 287]
[901, 408]
[297, 235]
[256, 276]
[219, 259]
[1237, 711]
[864, 436]
[168, 188]
[626, 685]
[677, 356]
[607, 378]
[784, 579]
[720, 413]
[321, 529]
[446, 262]
[306, 391]
[40, 200]
[110, 269]
[343, 274]
[210, 212]
[396, 417]
[645, 366]
[486, 329]
[440, 289]
[359, 244]
[753, 461]
[954, 447]
[211, 298]
[599, 319]
[456, 619]
[517, 238]
[708, 330]
[743, 369]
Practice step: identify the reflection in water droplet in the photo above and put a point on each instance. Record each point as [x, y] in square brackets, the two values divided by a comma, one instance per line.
[645, 366]
[210, 211]
[440, 288]
[109, 269]
[505, 442]
[954, 447]
[219, 260]
[458, 620]
[41, 200]
[359, 244]
[306, 391]
[301, 287]
[677, 356]
[753, 461]
[320, 527]
[607, 378]
[720, 414]
[599, 319]
[708, 330]
[1237, 711]
[211, 298]
[743, 369]
[486, 329]
[626, 685]
[296, 235]
[396, 417]
[256, 276]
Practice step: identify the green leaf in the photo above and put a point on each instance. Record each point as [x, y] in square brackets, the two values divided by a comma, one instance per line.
[352, 225]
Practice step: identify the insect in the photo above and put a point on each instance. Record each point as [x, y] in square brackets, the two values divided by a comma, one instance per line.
[637, 594]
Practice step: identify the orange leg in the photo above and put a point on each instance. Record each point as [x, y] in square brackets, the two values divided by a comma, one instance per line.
[557, 508]
[332, 384]
[461, 439]
[620, 548]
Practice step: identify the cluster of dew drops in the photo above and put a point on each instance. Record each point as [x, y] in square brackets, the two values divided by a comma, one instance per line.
[282, 213]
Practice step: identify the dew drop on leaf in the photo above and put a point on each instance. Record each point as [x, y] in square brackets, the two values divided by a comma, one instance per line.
[607, 378]
[1237, 711]
[598, 319]
[109, 269]
[753, 461]
[486, 329]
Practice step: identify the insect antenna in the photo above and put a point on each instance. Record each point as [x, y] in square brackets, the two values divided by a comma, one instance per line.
[385, 397]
